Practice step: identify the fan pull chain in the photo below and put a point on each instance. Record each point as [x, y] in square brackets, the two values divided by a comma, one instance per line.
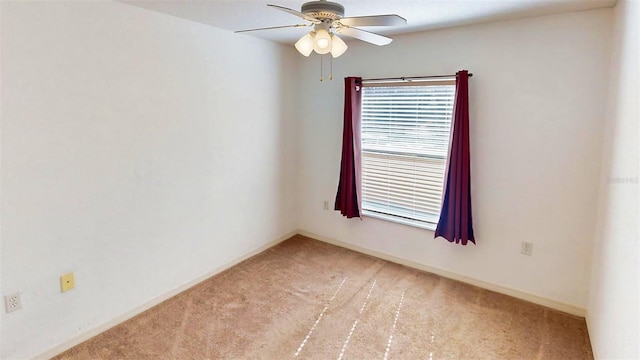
[331, 68]
[321, 68]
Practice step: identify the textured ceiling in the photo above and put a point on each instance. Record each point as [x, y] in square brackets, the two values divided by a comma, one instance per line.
[420, 14]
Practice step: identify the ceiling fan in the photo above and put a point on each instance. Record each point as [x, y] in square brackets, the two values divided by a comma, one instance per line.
[327, 19]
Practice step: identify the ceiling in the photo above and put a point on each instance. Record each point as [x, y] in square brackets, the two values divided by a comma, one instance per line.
[420, 14]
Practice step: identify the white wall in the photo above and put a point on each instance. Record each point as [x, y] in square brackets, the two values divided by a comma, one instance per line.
[537, 112]
[140, 151]
[613, 310]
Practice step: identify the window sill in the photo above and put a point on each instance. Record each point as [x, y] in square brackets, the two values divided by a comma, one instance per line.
[394, 219]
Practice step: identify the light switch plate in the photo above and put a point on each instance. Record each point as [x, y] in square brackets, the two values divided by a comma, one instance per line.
[67, 282]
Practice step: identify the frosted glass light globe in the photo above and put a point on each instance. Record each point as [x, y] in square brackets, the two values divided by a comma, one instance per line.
[322, 42]
[305, 44]
[338, 47]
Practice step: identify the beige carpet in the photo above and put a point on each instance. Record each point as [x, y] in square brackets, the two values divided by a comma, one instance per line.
[305, 299]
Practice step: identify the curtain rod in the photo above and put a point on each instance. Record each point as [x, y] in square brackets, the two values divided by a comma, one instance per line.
[415, 77]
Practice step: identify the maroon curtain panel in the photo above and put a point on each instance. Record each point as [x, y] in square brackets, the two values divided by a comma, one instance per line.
[349, 195]
[455, 223]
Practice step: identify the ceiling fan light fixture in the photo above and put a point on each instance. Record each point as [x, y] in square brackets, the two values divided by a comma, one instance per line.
[327, 17]
[305, 44]
[338, 47]
[322, 42]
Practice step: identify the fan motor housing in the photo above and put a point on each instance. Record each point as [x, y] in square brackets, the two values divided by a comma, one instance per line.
[323, 10]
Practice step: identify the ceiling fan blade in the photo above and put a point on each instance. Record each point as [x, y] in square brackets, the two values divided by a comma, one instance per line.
[296, 13]
[363, 35]
[375, 20]
[272, 27]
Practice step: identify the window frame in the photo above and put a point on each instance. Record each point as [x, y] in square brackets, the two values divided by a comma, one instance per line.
[424, 224]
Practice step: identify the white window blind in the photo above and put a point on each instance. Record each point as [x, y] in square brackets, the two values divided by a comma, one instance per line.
[405, 142]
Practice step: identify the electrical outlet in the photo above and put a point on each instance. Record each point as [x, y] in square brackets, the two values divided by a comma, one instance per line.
[326, 205]
[526, 248]
[13, 302]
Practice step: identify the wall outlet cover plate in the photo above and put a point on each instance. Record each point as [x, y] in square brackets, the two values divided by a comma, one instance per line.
[13, 302]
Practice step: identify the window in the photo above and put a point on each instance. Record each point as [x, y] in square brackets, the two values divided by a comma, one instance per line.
[405, 143]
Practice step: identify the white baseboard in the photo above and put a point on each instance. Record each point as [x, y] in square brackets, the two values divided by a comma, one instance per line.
[157, 300]
[523, 295]
[594, 347]
[444, 273]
